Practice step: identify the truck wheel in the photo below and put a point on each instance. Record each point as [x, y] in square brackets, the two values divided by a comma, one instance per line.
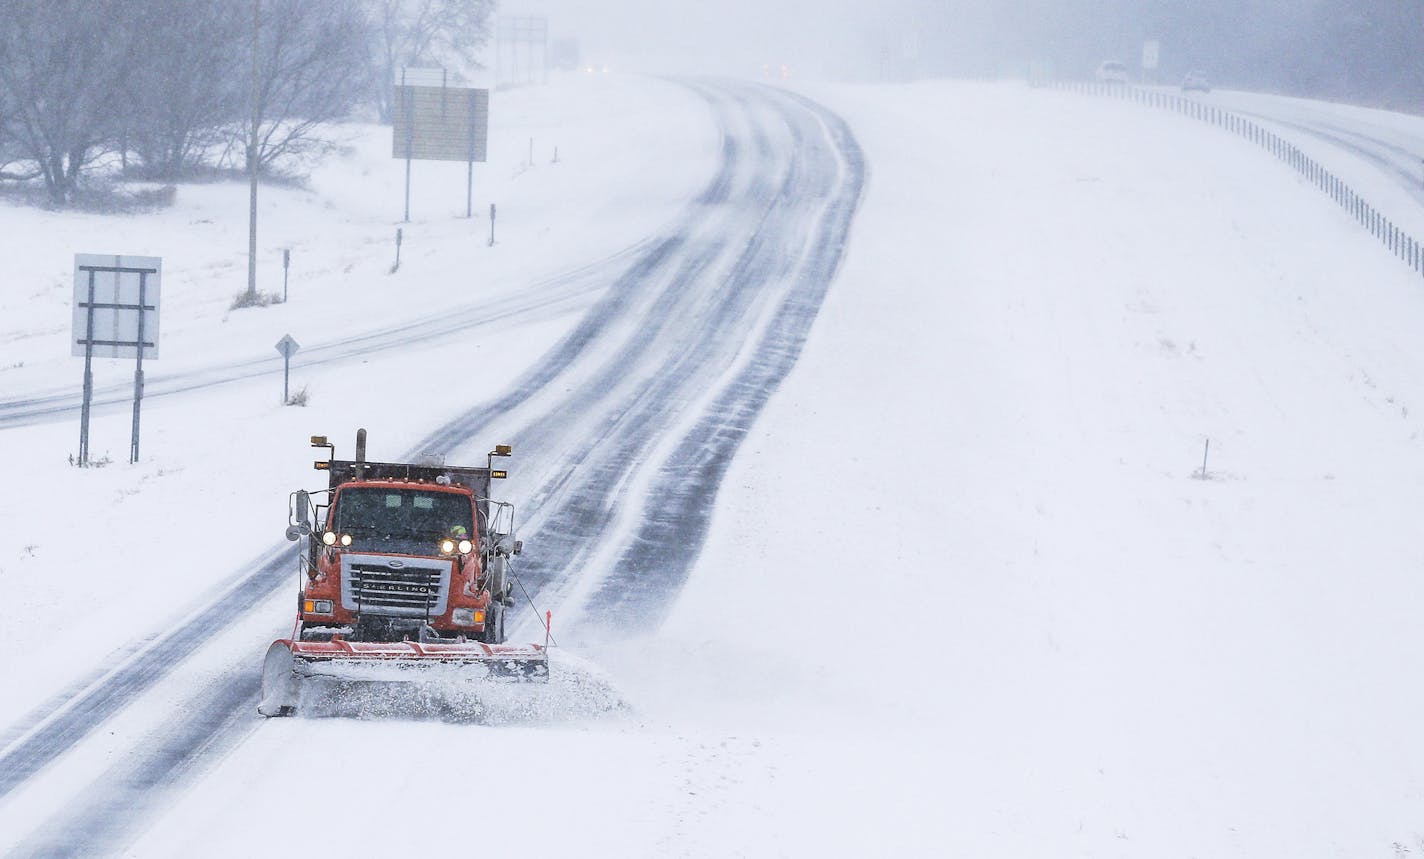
[497, 580]
[494, 625]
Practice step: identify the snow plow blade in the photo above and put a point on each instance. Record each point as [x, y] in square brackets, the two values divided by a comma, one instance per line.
[289, 662]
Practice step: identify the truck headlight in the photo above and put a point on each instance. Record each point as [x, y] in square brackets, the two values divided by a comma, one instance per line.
[328, 538]
[467, 616]
[465, 547]
[447, 546]
[317, 606]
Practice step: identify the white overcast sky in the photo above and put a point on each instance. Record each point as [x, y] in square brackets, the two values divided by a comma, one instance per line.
[826, 39]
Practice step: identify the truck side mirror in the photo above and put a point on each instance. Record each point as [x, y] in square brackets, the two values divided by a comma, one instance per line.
[506, 545]
[301, 509]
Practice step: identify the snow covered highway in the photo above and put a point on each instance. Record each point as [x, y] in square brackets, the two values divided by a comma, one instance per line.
[858, 451]
[692, 335]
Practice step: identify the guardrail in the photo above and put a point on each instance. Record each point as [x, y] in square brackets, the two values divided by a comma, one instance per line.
[1403, 245]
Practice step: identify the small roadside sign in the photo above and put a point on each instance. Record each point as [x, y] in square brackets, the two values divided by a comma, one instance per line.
[286, 347]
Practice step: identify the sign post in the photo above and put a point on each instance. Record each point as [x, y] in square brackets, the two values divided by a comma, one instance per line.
[287, 347]
[475, 133]
[88, 341]
[115, 316]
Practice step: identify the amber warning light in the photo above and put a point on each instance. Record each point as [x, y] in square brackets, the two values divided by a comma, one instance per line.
[320, 441]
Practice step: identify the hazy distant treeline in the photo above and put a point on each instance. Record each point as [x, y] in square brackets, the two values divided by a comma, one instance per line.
[1369, 51]
[165, 87]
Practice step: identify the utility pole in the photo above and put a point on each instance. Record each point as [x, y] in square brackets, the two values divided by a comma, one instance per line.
[252, 163]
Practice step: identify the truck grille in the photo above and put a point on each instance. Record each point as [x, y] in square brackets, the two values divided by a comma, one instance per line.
[400, 587]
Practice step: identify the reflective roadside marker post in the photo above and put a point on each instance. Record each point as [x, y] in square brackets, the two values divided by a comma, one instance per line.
[286, 264]
[396, 267]
[286, 347]
[491, 244]
[115, 316]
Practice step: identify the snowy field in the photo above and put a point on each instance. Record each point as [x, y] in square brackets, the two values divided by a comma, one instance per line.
[966, 592]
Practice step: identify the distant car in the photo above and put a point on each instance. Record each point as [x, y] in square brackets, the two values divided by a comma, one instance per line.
[1112, 72]
[1196, 82]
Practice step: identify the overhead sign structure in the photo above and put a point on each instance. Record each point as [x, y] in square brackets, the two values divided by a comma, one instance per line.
[115, 316]
[433, 121]
[521, 49]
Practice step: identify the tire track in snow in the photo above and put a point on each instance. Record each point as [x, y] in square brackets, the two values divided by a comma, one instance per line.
[682, 499]
[542, 300]
[1390, 158]
[763, 278]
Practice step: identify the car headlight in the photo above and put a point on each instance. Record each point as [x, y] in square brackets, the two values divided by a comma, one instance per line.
[465, 547]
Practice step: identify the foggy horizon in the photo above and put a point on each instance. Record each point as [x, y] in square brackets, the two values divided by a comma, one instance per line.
[1327, 48]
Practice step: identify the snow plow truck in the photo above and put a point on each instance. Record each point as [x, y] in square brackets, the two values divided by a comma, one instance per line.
[405, 568]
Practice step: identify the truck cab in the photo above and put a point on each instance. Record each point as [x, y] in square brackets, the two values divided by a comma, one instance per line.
[404, 551]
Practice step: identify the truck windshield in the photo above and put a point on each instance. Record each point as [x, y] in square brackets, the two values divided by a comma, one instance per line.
[402, 514]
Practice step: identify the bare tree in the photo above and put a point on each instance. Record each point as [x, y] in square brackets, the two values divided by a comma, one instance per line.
[9, 153]
[190, 85]
[446, 33]
[171, 80]
[311, 65]
[64, 64]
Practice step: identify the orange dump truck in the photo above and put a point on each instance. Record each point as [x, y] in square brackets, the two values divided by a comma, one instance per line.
[404, 568]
